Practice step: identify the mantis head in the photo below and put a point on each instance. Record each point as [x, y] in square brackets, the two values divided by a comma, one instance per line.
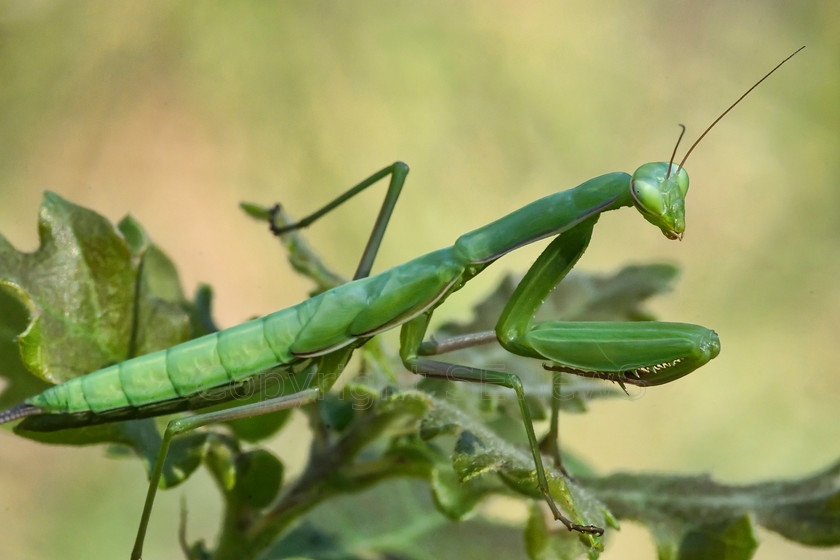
[658, 191]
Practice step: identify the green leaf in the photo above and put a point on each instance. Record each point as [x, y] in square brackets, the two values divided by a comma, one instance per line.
[91, 295]
[259, 475]
[161, 310]
[336, 412]
[220, 459]
[140, 435]
[732, 538]
[185, 455]
[142, 438]
[694, 517]
[95, 295]
[457, 498]
[14, 317]
[78, 287]
[479, 453]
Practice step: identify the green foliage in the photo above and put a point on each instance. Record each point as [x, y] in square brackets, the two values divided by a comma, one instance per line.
[719, 518]
[391, 469]
[95, 294]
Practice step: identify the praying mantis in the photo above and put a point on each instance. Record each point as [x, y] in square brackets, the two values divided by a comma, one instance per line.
[311, 342]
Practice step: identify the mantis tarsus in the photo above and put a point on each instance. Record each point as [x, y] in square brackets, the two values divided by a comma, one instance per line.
[312, 341]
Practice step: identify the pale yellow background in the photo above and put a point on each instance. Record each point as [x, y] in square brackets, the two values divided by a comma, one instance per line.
[176, 111]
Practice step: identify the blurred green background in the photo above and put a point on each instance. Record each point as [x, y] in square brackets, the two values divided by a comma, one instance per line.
[176, 111]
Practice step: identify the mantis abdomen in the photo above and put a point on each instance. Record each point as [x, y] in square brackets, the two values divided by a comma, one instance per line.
[317, 326]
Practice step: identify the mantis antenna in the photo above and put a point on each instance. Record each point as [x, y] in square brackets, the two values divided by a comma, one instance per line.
[674, 153]
[767, 75]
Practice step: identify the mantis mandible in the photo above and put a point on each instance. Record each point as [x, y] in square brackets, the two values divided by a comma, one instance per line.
[311, 341]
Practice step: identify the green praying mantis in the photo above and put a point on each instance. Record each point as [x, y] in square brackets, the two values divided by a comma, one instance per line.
[310, 343]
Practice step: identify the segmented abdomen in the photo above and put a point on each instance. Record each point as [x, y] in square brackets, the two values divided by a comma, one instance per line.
[186, 369]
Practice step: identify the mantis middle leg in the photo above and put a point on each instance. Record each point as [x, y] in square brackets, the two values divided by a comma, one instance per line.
[411, 336]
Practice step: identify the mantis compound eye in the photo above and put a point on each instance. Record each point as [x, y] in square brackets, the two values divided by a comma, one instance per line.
[647, 196]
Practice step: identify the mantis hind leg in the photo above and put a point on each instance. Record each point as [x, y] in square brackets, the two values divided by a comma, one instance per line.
[398, 172]
[189, 423]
